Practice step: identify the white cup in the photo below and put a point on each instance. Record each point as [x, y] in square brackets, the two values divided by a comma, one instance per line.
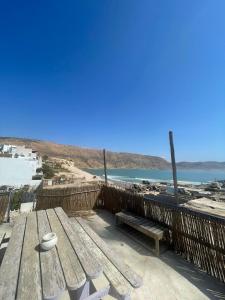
[49, 241]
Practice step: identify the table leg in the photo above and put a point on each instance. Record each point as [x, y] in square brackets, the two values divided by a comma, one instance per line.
[81, 293]
[98, 294]
[114, 294]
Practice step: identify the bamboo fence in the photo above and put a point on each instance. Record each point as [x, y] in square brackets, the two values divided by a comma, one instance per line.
[71, 199]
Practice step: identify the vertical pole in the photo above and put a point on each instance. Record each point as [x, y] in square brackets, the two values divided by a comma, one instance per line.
[105, 167]
[34, 199]
[173, 161]
[9, 205]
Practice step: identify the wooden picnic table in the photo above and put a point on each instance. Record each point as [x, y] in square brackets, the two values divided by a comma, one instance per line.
[81, 262]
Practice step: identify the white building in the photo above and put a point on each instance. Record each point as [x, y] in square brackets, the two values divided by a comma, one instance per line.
[18, 165]
[18, 151]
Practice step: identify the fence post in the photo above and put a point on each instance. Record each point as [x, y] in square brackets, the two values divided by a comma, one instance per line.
[173, 161]
[9, 205]
[106, 181]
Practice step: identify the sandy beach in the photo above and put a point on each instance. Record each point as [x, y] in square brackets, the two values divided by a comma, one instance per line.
[74, 172]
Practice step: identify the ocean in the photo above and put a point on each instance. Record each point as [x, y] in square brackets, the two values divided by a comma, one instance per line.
[138, 175]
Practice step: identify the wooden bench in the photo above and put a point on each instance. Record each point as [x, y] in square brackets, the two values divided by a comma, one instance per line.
[143, 225]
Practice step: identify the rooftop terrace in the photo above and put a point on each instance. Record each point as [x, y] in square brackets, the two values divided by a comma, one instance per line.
[196, 236]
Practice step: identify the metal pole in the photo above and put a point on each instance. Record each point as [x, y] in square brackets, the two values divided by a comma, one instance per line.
[105, 166]
[173, 161]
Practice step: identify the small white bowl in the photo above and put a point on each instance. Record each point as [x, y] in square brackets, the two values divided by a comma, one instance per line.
[49, 241]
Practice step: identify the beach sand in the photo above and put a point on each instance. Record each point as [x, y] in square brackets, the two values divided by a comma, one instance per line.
[75, 172]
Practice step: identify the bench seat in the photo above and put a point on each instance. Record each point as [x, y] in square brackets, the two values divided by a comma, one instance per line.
[143, 225]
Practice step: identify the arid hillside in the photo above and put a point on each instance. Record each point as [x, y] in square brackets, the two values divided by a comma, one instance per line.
[90, 158]
[93, 158]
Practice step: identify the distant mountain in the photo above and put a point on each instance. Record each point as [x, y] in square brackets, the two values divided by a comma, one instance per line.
[92, 158]
[206, 165]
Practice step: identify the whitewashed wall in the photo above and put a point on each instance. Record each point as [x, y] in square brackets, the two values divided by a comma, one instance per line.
[17, 172]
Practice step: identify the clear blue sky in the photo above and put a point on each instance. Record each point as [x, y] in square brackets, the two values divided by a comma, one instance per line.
[117, 74]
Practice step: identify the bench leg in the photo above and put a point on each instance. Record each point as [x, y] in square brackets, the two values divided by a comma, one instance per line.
[118, 221]
[157, 247]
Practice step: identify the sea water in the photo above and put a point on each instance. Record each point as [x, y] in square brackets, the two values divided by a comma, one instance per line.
[138, 175]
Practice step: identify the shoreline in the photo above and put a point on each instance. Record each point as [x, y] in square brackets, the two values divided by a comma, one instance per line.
[161, 169]
[137, 176]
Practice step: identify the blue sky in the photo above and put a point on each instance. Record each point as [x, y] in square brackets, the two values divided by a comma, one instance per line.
[115, 74]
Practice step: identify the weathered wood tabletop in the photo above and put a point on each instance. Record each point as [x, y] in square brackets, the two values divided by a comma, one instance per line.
[78, 260]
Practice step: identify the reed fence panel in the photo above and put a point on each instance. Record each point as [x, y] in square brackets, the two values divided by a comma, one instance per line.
[71, 199]
[4, 202]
